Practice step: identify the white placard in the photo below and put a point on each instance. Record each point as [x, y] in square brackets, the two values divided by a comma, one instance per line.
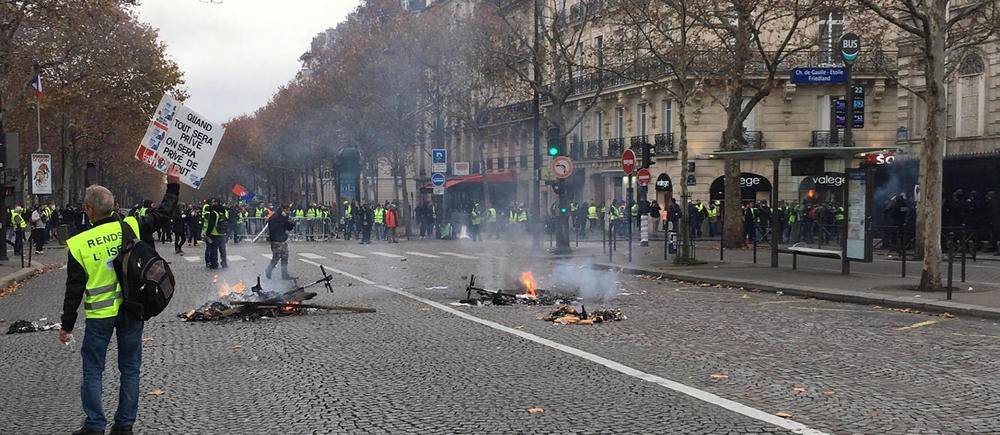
[460, 168]
[41, 174]
[177, 134]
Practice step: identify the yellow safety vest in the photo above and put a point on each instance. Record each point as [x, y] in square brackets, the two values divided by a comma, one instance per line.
[95, 250]
[17, 220]
[522, 216]
[379, 215]
[713, 212]
[491, 215]
[476, 219]
[592, 212]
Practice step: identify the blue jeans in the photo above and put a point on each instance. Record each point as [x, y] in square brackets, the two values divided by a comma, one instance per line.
[215, 251]
[94, 353]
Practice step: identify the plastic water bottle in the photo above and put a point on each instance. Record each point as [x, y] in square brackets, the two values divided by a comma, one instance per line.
[71, 346]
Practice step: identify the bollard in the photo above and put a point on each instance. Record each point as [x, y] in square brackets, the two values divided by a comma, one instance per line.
[604, 239]
[754, 236]
[902, 252]
[611, 238]
[964, 247]
[722, 238]
[951, 262]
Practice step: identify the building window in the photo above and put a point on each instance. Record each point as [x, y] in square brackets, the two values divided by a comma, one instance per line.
[599, 51]
[598, 125]
[831, 29]
[970, 96]
[620, 122]
[641, 119]
[666, 116]
[579, 60]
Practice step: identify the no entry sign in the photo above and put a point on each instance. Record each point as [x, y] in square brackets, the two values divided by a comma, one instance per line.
[628, 161]
[644, 177]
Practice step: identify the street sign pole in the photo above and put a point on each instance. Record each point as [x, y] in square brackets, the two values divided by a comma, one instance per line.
[628, 212]
[850, 49]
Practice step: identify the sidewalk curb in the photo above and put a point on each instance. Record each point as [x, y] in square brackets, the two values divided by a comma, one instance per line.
[20, 275]
[847, 296]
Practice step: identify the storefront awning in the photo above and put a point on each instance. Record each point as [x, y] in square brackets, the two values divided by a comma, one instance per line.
[503, 177]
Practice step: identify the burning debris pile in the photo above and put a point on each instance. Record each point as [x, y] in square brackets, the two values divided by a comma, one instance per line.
[235, 303]
[531, 294]
[22, 326]
[567, 315]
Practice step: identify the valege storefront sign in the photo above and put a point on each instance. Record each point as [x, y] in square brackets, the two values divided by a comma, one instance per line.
[179, 135]
[829, 180]
[750, 181]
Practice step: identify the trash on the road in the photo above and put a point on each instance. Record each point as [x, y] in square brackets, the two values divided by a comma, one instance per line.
[970, 289]
[783, 414]
[24, 326]
[798, 390]
[779, 293]
[155, 393]
[568, 315]
[946, 315]
[235, 302]
[719, 376]
[440, 287]
[536, 410]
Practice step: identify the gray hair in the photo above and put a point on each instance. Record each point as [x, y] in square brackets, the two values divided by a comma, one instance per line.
[100, 199]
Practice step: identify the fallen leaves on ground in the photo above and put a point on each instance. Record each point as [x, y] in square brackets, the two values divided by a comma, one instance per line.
[719, 376]
[147, 339]
[798, 390]
[237, 347]
[155, 393]
[783, 414]
[536, 410]
[519, 327]
[947, 315]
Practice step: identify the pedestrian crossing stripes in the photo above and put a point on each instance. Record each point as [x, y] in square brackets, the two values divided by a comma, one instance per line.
[192, 259]
[236, 258]
[421, 254]
[386, 254]
[349, 255]
[453, 254]
[312, 256]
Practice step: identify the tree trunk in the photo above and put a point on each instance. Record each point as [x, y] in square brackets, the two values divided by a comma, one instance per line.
[931, 158]
[685, 230]
[404, 214]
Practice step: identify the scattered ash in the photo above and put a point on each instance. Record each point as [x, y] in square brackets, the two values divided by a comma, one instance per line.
[568, 315]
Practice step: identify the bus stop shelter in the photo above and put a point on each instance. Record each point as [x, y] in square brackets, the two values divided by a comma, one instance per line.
[775, 156]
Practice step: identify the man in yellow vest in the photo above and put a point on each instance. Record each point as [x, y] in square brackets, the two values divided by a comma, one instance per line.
[90, 278]
[19, 224]
[379, 218]
[592, 215]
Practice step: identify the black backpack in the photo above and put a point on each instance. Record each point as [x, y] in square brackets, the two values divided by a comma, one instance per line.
[146, 279]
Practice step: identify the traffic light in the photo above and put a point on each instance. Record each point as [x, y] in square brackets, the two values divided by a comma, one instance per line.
[648, 152]
[554, 141]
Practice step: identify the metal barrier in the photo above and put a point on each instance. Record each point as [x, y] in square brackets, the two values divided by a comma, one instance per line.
[306, 229]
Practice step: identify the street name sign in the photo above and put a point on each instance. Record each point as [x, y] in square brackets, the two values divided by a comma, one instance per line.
[628, 161]
[820, 76]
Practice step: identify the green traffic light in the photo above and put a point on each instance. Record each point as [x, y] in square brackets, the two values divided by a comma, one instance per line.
[553, 151]
[563, 210]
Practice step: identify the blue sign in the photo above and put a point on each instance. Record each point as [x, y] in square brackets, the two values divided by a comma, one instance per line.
[819, 76]
[439, 155]
[437, 179]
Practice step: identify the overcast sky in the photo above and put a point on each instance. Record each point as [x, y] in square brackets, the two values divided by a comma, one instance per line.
[236, 53]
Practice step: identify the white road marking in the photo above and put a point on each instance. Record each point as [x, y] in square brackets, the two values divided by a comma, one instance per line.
[421, 254]
[267, 256]
[469, 257]
[386, 254]
[702, 395]
[236, 258]
[192, 259]
[312, 256]
[349, 255]
[496, 257]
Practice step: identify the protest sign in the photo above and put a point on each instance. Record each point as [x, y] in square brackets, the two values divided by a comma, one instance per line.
[179, 135]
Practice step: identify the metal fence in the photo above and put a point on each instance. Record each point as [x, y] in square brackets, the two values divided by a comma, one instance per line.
[306, 229]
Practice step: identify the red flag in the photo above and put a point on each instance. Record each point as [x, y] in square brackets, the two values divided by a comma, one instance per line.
[239, 190]
[36, 84]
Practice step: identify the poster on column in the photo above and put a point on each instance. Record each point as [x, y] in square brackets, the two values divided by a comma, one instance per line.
[177, 134]
[41, 174]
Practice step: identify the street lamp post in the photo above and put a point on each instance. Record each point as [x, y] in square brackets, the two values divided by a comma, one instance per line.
[536, 241]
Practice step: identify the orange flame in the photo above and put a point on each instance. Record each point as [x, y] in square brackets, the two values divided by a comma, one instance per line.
[225, 289]
[290, 307]
[528, 281]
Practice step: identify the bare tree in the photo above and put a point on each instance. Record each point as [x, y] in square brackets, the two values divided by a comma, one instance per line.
[937, 34]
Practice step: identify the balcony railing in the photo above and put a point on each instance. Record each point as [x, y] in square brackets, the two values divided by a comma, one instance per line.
[664, 143]
[717, 63]
[576, 150]
[616, 147]
[509, 113]
[595, 149]
[827, 138]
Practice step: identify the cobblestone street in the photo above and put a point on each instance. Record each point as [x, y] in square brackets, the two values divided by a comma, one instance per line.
[689, 359]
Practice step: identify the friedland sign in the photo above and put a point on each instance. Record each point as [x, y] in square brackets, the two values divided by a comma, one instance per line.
[822, 76]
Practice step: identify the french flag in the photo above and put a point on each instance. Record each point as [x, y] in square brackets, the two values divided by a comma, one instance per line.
[36, 84]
